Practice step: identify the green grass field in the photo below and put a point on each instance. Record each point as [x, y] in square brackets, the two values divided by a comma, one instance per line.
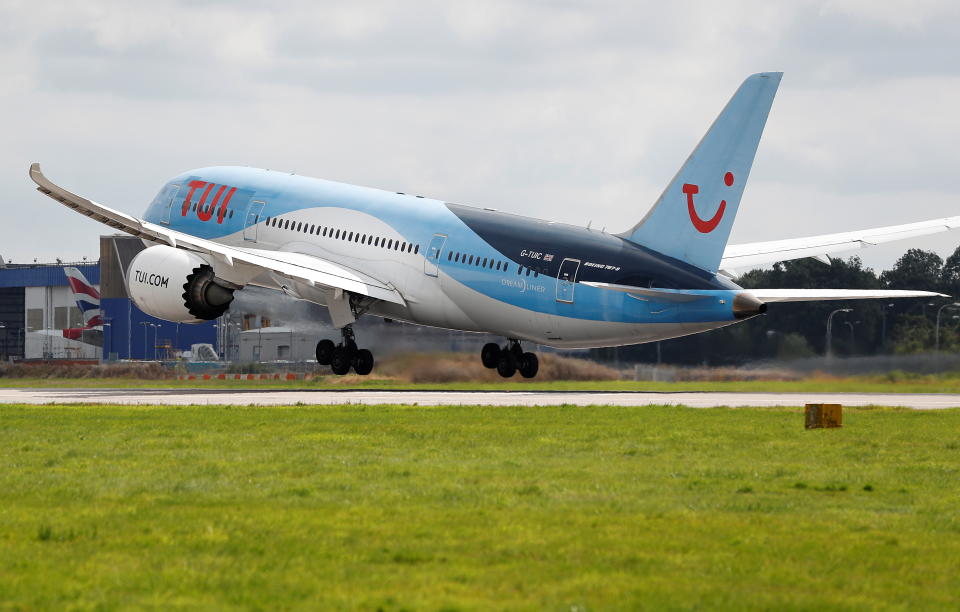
[417, 508]
[863, 384]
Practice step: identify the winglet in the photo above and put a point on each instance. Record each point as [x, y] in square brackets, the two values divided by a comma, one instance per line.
[82, 205]
[36, 175]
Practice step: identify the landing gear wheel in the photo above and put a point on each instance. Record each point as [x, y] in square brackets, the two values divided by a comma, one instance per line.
[507, 365]
[340, 361]
[325, 350]
[529, 365]
[363, 362]
[490, 355]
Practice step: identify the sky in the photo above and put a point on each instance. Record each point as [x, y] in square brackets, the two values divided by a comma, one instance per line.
[579, 112]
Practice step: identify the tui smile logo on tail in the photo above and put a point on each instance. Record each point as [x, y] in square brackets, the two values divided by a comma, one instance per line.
[705, 227]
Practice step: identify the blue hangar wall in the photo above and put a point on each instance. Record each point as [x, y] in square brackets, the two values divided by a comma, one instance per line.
[128, 332]
[15, 279]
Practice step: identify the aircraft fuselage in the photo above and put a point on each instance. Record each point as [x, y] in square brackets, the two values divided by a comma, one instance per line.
[456, 266]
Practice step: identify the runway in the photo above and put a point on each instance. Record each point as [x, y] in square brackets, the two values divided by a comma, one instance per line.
[272, 397]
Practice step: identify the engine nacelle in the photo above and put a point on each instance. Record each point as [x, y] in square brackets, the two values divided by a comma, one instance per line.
[176, 285]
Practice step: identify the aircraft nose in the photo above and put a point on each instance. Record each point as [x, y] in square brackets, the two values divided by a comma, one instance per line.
[746, 305]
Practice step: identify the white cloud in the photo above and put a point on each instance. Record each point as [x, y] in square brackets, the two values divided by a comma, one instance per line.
[573, 111]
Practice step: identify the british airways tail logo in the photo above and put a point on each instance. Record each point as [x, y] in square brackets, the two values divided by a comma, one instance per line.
[222, 196]
[708, 225]
[86, 296]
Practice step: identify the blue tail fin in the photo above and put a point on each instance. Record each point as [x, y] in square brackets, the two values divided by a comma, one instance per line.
[691, 220]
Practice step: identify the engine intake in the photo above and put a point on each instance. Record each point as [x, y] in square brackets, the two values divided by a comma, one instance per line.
[176, 285]
[204, 298]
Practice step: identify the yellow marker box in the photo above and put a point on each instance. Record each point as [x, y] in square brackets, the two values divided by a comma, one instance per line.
[823, 415]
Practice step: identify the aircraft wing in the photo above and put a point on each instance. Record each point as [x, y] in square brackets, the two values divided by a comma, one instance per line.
[817, 295]
[748, 255]
[299, 267]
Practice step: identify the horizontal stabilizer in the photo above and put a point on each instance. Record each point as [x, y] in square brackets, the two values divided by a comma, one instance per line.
[817, 295]
[766, 295]
[663, 295]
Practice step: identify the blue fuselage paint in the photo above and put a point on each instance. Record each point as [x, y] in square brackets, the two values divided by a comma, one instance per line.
[487, 271]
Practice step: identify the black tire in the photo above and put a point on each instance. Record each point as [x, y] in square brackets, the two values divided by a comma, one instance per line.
[490, 355]
[325, 350]
[340, 362]
[363, 362]
[507, 365]
[529, 365]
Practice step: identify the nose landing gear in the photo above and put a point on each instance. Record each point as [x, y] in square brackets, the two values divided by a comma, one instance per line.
[341, 357]
[510, 359]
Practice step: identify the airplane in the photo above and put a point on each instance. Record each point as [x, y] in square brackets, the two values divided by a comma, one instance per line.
[88, 301]
[360, 251]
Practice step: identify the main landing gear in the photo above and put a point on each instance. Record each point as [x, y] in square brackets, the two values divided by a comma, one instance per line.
[509, 359]
[341, 357]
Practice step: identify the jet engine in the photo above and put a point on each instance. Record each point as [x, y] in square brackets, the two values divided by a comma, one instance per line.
[176, 285]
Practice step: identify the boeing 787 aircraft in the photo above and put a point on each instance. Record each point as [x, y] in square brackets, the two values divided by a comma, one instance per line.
[356, 250]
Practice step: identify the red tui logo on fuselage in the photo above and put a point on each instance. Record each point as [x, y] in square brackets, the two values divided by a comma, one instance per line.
[204, 210]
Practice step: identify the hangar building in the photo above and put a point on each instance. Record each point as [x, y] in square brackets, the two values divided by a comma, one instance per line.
[37, 304]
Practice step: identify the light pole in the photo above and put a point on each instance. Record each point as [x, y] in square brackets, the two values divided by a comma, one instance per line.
[144, 324]
[3, 326]
[848, 323]
[234, 344]
[830, 327]
[155, 327]
[883, 327]
[108, 327]
[936, 333]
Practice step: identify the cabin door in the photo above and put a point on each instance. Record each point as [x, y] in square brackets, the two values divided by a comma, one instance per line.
[566, 280]
[166, 201]
[252, 221]
[431, 263]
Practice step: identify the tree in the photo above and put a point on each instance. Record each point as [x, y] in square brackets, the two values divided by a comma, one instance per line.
[950, 274]
[808, 319]
[916, 269]
[912, 334]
